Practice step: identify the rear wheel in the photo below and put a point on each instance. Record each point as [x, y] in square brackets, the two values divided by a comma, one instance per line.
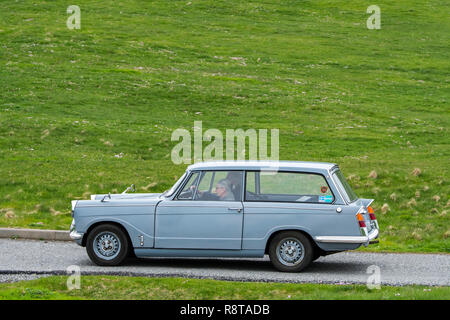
[316, 255]
[107, 245]
[290, 251]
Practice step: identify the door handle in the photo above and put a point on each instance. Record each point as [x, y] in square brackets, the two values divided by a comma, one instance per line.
[237, 209]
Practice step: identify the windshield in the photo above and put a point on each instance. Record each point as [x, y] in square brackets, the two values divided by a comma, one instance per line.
[175, 186]
[349, 194]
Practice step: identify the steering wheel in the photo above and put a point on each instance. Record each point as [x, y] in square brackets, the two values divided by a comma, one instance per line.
[186, 194]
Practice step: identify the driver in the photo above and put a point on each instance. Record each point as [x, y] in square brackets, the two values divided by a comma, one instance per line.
[223, 192]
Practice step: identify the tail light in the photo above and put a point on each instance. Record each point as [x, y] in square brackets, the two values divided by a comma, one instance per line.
[362, 223]
[371, 214]
[373, 219]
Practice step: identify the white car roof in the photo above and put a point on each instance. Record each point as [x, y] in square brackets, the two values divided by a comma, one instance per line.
[261, 165]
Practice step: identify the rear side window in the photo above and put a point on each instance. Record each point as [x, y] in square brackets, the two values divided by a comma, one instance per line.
[342, 183]
[287, 187]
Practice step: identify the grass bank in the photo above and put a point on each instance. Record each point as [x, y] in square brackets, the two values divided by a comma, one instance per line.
[124, 288]
[92, 110]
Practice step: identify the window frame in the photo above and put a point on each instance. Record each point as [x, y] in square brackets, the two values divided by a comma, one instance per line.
[184, 184]
[201, 174]
[258, 187]
[337, 181]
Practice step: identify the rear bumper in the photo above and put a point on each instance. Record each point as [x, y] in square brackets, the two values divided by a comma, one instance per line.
[373, 234]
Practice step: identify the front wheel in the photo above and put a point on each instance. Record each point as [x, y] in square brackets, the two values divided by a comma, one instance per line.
[107, 245]
[290, 251]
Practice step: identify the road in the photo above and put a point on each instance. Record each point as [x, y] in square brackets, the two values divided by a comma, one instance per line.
[23, 259]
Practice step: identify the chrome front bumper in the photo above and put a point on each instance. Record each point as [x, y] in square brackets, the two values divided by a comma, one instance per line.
[75, 235]
[373, 234]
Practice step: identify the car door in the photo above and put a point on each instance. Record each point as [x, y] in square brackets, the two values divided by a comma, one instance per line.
[197, 218]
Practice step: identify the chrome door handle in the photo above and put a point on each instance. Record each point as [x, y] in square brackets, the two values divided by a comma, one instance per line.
[237, 209]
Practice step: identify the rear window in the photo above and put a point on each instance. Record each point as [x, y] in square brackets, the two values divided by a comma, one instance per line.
[349, 194]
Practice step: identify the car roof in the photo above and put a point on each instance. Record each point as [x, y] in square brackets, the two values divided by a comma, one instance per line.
[262, 165]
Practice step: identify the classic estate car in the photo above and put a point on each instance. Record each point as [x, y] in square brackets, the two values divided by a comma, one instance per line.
[293, 211]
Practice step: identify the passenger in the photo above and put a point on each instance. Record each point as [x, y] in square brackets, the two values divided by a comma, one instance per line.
[235, 180]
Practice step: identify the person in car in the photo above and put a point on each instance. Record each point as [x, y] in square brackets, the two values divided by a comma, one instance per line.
[235, 180]
[223, 192]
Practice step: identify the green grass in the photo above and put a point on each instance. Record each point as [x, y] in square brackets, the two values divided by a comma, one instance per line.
[366, 99]
[116, 287]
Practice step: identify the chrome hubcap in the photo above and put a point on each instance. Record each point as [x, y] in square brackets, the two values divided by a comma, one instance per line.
[290, 252]
[106, 245]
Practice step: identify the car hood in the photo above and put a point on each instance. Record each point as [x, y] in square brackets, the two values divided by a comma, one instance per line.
[118, 196]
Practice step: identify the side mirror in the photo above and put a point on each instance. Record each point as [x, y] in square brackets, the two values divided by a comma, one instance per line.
[132, 188]
[106, 196]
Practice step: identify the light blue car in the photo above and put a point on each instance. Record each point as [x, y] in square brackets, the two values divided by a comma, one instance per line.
[293, 211]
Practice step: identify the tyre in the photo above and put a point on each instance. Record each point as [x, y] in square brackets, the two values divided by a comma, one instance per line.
[290, 251]
[315, 256]
[107, 245]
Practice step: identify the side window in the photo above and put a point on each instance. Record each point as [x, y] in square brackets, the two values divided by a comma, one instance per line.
[289, 187]
[205, 181]
[220, 186]
[189, 189]
[251, 182]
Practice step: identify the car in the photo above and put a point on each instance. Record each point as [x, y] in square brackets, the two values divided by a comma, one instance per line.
[291, 210]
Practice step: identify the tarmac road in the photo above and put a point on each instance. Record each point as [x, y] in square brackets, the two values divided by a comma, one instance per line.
[26, 259]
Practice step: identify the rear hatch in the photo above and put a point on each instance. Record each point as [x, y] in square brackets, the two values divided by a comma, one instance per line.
[365, 215]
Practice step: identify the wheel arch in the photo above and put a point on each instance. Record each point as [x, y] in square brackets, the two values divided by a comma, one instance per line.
[316, 248]
[95, 224]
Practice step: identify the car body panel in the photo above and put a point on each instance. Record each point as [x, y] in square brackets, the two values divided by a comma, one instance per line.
[136, 216]
[199, 225]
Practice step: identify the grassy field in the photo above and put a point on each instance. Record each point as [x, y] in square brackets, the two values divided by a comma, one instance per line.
[137, 288]
[92, 110]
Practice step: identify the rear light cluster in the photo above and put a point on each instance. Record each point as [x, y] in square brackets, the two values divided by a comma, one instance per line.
[371, 214]
[362, 223]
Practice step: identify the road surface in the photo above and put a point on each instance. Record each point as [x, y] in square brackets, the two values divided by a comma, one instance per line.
[24, 259]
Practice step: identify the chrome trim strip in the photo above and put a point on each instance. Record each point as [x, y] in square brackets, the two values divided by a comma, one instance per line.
[282, 207]
[184, 238]
[348, 239]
